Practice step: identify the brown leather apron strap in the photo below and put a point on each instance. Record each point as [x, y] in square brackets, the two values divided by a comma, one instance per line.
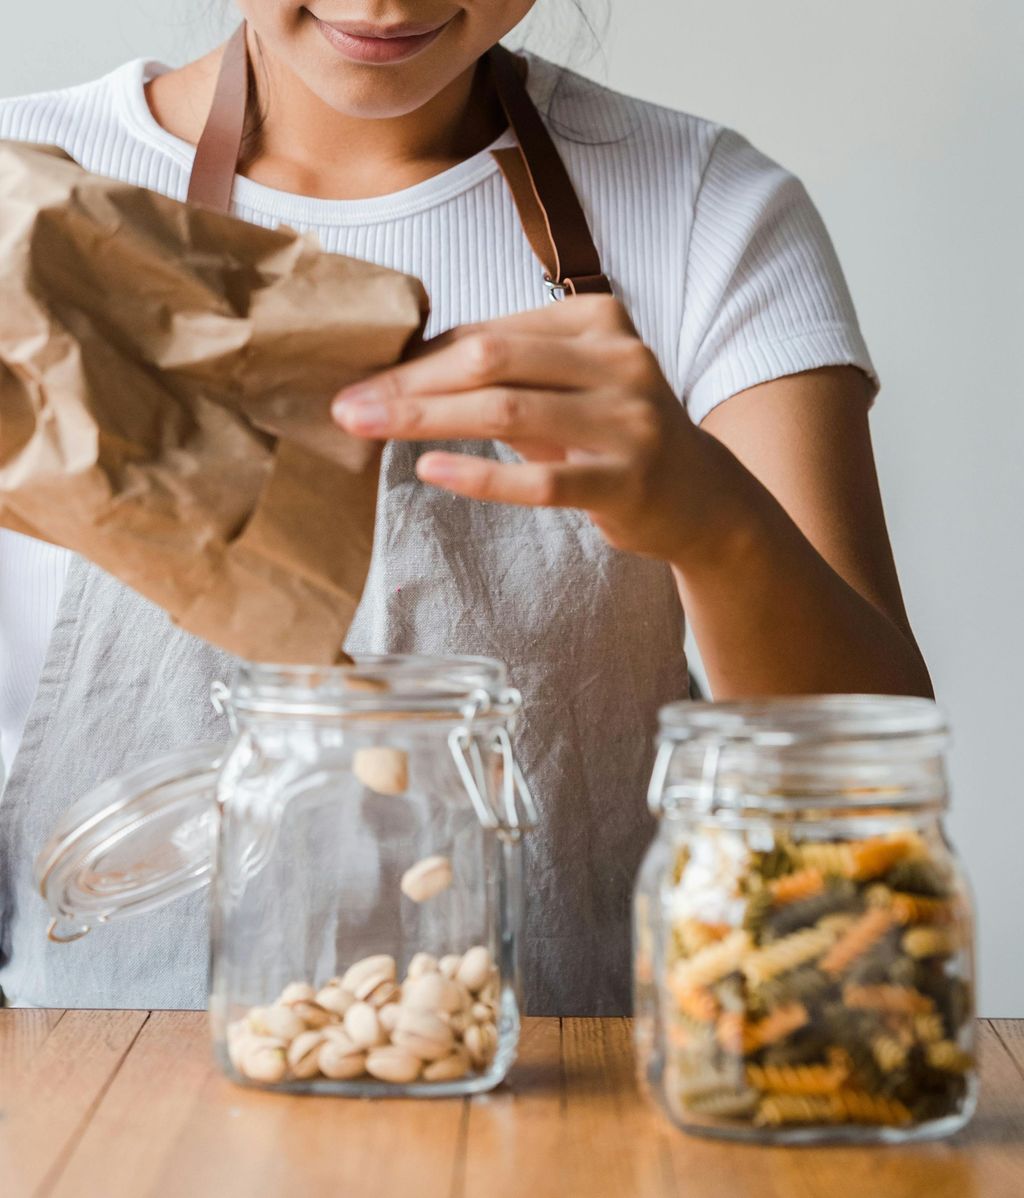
[219, 145]
[548, 207]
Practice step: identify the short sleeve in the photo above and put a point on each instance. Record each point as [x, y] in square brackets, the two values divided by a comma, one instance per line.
[764, 293]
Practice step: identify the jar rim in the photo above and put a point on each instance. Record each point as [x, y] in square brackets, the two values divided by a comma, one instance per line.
[804, 720]
[372, 683]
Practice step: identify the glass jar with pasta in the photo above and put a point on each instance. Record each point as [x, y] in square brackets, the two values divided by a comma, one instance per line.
[803, 931]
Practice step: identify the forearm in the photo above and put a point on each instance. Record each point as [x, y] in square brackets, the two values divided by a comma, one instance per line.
[770, 615]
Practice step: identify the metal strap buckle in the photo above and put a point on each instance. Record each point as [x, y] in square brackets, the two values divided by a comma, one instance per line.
[556, 291]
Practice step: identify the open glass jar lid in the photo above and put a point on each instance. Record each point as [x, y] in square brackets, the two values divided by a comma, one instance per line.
[134, 843]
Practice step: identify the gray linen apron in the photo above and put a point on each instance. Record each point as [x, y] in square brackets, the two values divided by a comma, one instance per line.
[592, 637]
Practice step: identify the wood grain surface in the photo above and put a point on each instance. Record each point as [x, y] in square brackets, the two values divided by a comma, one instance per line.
[129, 1104]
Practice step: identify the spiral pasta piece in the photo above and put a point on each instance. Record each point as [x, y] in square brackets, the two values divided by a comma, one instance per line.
[802, 884]
[920, 876]
[837, 922]
[739, 1035]
[778, 1024]
[712, 963]
[901, 1000]
[928, 1028]
[861, 1106]
[889, 1052]
[870, 858]
[797, 1079]
[693, 934]
[856, 941]
[911, 908]
[698, 1002]
[831, 857]
[805, 984]
[777, 1109]
[725, 1104]
[922, 942]
[787, 953]
[948, 1056]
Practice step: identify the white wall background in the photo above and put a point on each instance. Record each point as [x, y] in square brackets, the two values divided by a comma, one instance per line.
[903, 118]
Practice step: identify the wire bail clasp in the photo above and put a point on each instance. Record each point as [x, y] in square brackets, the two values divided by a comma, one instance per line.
[220, 698]
[664, 797]
[518, 811]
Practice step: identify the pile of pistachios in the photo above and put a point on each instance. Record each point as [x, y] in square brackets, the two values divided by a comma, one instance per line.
[437, 1025]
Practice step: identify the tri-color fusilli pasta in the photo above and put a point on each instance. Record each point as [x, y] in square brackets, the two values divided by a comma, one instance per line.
[831, 998]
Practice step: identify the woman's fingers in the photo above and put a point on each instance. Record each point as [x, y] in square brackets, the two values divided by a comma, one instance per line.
[486, 358]
[572, 317]
[510, 414]
[530, 484]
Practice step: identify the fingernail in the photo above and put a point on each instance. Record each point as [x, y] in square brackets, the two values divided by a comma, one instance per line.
[357, 392]
[361, 417]
[437, 469]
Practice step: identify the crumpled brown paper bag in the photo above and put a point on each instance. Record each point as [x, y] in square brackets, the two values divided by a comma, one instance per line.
[165, 377]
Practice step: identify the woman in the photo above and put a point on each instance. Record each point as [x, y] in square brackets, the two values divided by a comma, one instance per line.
[560, 481]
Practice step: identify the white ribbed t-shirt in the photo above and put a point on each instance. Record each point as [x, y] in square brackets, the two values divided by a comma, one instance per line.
[717, 252]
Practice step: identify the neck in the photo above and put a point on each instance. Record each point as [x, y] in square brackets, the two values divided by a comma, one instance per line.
[307, 147]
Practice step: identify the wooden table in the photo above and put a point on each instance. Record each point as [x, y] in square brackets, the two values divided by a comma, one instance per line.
[112, 1103]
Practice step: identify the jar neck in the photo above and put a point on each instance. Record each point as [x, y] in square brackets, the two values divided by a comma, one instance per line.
[855, 781]
[452, 689]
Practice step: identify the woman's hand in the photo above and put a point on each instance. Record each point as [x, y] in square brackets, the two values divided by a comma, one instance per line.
[781, 603]
[575, 392]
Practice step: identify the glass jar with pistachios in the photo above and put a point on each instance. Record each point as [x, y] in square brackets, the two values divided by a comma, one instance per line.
[803, 931]
[362, 837]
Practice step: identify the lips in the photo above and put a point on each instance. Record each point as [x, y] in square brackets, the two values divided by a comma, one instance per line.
[403, 29]
[364, 42]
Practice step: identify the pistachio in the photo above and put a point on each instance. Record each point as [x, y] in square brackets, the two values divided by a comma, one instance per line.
[432, 992]
[384, 994]
[279, 1021]
[449, 1068]
[263, 1062]
[427, 878]
[312, 1014]
[334, 998]
[439, 1023]
[303, 1053]
[475, 969]
[297, 992]
[254, 1020]
[388, 1016]
[393, 1064]
[363, 1027]
[337, 1035]
[481, 1041]
[423, 1033]
[421, 964]
[490, 992]
[383, 769]
[339, 1059]
[458, 1021]
[366, 975]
